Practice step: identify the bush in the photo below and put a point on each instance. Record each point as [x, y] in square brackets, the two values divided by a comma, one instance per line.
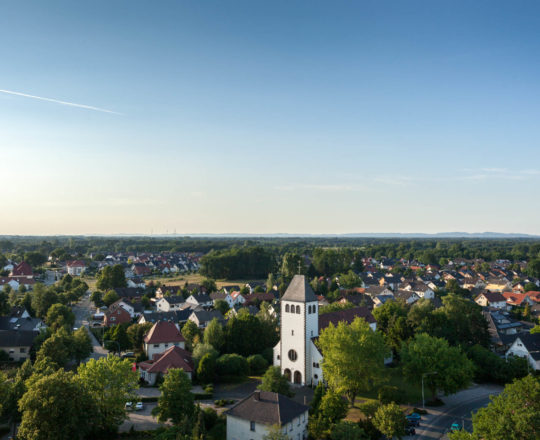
[223, 402]
[257, 364]
[232, 365]
[209, 389]
[268, 354]
[388, 394]
[202, 396]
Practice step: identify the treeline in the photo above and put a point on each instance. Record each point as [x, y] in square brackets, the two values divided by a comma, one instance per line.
[238, 262]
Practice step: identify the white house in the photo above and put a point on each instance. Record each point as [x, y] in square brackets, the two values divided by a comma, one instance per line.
[170, 303]
[161, 363]
[527, 346]
[491, 299]
[200, 299]
[253, 416]
[296, 353]
[75, 267]
[162, 335]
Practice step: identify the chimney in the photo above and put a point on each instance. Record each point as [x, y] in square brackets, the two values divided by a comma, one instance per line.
[257, 395]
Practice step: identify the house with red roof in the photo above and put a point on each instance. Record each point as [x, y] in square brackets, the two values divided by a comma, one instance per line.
[518, 299]
[161, 363]
[22, 269]
[75, 267]
[162, 335]
[116, 315]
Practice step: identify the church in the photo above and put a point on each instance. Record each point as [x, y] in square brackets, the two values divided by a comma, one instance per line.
[296, 353]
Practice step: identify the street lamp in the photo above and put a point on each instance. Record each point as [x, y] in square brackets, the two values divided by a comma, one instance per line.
[424, 375]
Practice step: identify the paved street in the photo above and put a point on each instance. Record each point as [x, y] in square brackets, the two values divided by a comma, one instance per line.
[457, 409]
[83, 311]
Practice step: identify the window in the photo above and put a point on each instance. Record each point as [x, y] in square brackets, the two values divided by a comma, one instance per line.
[298, 309]
[287, 308]
[315, 376]
[252, 426]
[23, 350]
[311, 333]
[290, 427]
[156, 345]
[293, 355]
[278, 356]
[292, 332]
[309, 310]
[166, 345]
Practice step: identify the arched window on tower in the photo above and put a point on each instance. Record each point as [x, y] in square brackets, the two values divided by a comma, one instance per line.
[298, 309]
[287, 308]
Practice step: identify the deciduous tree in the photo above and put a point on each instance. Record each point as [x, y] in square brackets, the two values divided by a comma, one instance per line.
[176, 399]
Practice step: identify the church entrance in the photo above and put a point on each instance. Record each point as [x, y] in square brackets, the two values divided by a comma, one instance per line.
[287, 374]
[297, 377]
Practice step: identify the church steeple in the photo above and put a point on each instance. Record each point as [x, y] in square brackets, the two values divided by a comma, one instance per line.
[299, 290]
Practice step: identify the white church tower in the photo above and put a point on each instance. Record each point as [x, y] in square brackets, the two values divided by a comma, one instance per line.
[296, 354]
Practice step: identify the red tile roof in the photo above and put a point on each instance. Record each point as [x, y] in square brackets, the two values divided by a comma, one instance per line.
[174, 357]
[22, 269]
[163, 331]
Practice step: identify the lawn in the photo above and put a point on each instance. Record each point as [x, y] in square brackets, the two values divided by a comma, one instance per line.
[412, 392]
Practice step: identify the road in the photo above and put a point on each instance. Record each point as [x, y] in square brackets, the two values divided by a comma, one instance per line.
[83, 310]
[457, 409]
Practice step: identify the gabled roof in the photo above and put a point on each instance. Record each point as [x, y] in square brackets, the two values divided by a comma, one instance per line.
[173, 357]
[267, 408]
[22, 269]
[346, 316]
[174, 299]
[299, 290]
[163, 331]
[493, 296]
[16, 338]
[531, 343]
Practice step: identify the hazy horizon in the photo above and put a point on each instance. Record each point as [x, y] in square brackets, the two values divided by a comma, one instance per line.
[303, 118]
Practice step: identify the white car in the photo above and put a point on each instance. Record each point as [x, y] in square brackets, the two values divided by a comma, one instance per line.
[129, 406]
[139, 406]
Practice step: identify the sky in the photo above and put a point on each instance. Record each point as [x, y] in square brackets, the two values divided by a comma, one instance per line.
[269, 116]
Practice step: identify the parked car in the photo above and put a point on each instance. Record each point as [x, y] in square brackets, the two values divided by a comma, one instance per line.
[139, 406]
[128, 354]
[413, 423]
[129, 406]
[455, 427]
[409, 430]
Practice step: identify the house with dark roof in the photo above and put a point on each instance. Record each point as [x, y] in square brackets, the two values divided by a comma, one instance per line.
[17, 343]
[161, 363]
[252, 417]
[170, 303]
[203, 317]
[160, 337]
[200, 299]
[527, 346]
[175, 316]
[491, 299]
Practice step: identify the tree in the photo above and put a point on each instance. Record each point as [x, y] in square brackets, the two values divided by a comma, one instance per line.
[275, 433]
[350, 280]
[514, 414]
[206, 370]
[348, 431]
[34, 258]
[353, 357]
[97, 298]
[292, 264]
[136, 332]
[209, 285]
[261, 335]
[232, 365]
[213, 334]
[56, 407]
[203, 349]
[392, 321]
[176, 399]
[58, 348]
[222, 306]
[110, 382]
[59, 316]
[257, 364]
[389, 420]
[535, 329]
[42, 299]
[116, 338]
[111, 277]
[427, 354]
[81, 345]
[333, 407]
[275, 382]
[533, 267]
[110, 297]
[189, 331]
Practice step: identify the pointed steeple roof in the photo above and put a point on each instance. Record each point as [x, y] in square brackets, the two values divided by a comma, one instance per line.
[299, 290]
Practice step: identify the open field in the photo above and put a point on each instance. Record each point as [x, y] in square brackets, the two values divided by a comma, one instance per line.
[177, 280]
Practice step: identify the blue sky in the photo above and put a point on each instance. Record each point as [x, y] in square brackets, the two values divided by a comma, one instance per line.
[282, 116]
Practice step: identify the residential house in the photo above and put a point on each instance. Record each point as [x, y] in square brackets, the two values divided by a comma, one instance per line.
[161, 336]
[136, 282]
[498, 284]
[374, 291]
[170, 303]
[116, 315]
[203, 317]
[176, 316]
[172, 290]
[408, 296]
[161, 363]
[421, 289]
[527, 346]
[8, 281]
[518, 299]
[22, 269]
[134, 309]
[491, 299]
[131, 293]
[17, 343]
[252, 417]
[201, 299]
[223, 296]
[237, 297]
[75, 267]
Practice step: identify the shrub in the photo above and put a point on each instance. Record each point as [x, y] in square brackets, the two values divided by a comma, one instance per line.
[388, 394]
[232, 365]
[257, 364]
[268, 354]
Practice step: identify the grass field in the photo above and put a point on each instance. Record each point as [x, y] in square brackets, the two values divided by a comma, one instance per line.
[177, 280]
[412, 393]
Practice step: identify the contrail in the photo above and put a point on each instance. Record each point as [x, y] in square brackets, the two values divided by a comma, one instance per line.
[71, 104]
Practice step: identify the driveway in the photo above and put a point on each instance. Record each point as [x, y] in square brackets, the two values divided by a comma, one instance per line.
[82, 311]
[457, 409]
[141, 420]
